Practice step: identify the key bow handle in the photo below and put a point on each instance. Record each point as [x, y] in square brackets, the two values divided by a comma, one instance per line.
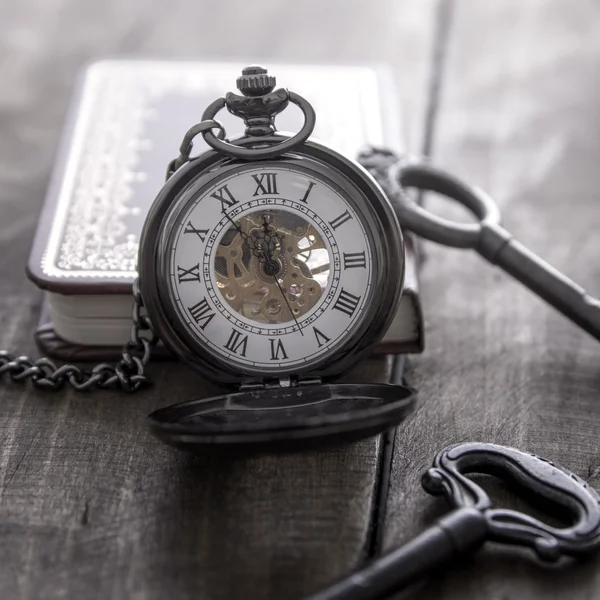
[561, 492]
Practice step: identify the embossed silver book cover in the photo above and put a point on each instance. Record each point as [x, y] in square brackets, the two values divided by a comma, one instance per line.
[125, 126]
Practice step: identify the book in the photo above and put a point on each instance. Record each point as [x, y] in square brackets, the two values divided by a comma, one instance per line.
[126, 123]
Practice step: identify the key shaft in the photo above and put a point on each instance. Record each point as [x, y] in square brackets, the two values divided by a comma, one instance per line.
[500, 248]
[460, 532]
[486, 236]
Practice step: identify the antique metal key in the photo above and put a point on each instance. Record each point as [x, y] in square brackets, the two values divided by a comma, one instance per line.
[475, 520]
[487, 236]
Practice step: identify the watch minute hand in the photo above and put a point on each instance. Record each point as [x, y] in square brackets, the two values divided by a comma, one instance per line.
[288, 305]
[271, 265]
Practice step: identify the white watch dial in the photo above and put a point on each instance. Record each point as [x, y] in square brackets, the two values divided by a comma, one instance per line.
[271, 267]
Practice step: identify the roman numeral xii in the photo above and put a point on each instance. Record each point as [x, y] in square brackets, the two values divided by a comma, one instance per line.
[266, 184]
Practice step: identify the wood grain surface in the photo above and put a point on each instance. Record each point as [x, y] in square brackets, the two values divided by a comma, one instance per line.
[519, 118]
[90, 505]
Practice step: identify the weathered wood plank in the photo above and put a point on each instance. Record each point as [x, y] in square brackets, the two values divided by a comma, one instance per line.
[519, 119]
[90, 505]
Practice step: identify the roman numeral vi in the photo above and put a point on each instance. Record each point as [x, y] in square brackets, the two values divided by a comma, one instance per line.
[277, 350]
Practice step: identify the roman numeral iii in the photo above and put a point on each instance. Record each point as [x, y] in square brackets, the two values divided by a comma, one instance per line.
[266, 183]
[224, 196]
[277, 350]
[354, 259]
[201, 233]
[202, 313]
[346, 302]
[192, 274]
[237, 342]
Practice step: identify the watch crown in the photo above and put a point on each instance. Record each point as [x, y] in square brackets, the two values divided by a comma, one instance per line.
[255, 81]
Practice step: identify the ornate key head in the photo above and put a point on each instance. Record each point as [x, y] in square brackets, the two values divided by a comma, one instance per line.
[561, 492]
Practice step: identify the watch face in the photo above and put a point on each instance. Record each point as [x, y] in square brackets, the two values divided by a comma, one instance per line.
[290, 267]
[271, 266]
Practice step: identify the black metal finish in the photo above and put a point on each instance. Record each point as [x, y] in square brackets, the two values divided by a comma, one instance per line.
[536, 478]
[255, 148]
[187, 144]
[474, 520]
[487, 237]
[127, 375]
[257, 106]
[359, 187]
[283, 419]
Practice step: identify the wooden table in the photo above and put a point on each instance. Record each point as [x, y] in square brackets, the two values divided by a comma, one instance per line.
[92, 507]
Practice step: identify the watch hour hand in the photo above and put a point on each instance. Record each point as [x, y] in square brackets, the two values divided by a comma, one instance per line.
[235, 225]
[245, 237]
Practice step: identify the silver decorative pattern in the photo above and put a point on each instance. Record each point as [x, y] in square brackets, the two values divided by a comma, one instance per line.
[115, 167]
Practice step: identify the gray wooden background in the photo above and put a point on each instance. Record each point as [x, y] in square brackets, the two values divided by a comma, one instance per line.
[92, 507]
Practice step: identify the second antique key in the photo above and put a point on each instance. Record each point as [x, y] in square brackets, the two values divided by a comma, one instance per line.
[475, 520]
[487, 237]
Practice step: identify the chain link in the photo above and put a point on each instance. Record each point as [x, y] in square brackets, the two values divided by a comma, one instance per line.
[187, 145]
[127, 375]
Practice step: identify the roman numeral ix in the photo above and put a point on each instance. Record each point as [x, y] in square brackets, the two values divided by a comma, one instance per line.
[346, 302]
[224, 196]
[201, 313]
[266, 183]
[192, 274]
[237, 341]
[345, 216]
[354, 259]
[201, 233]
[277, 350]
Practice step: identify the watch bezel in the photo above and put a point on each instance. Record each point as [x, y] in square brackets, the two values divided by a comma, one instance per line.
[387, 243]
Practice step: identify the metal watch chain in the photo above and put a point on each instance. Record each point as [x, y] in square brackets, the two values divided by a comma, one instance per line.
[127, 375]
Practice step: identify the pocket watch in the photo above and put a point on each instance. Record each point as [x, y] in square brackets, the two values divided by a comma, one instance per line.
[271, 263]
